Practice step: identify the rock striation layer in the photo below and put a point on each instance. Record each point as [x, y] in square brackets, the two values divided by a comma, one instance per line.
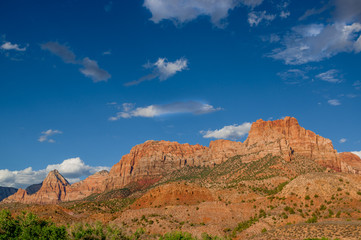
[150, 161]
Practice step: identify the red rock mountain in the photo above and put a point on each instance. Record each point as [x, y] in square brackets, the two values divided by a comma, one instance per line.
[288, 139]
[53, 190]
[147, 163]
[56, 188]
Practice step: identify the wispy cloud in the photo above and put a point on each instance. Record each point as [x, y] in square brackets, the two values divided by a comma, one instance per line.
[285, 14]
[357, 85]
[332, 76]
[45, 135]
[343, 140]
[10, 46]
[151, 111]
[162, 69]
[316, 42]
[72, 169]
[89, 68]
[314, 11]
[61, 51]
[92, 70]
[228, 132]
[255, 18]
[311, 43]
[182, 11]
[334, 102]
[293, 76]
[251, 3]
[109, 52]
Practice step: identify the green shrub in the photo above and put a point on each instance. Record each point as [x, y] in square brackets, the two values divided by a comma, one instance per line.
[312, 220]
[177, 236]
[27, 226]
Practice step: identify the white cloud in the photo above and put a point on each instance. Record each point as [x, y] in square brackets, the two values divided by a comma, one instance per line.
[73, 169]
[348, 10]
[90, 67]
[334, 102]
[315, 42]
[10, 46]
[331, 76]
[162, 69]
[343, 140]
[252, 3]
[182, 11]
[45, 137]
[358, 153]
[255, 18]
[228, 132]
[285, 14]
[92, 70]
[151, 111]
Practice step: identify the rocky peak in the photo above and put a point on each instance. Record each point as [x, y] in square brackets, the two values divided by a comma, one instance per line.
[53, 190]
[54, 178]
[285, 137]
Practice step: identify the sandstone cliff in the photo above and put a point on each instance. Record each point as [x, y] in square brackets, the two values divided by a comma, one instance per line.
[288, 139]
[92, 184]
[148, 162]
[350, 163]
[151, 160]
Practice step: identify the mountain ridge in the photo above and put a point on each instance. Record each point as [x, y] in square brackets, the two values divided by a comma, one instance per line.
[149, 162]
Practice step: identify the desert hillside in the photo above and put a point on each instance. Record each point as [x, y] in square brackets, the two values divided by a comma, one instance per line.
[282, 182]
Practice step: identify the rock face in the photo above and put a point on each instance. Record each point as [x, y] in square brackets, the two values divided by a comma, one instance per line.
[52, 190]
[150, 161]
[350, 163]
[55, 188]
[92, 184]
[288, 139]
[6, 192]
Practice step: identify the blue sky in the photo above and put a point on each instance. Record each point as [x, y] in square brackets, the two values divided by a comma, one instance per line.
[81, 82]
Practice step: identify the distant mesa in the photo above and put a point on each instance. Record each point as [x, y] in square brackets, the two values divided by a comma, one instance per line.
[149, 162]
